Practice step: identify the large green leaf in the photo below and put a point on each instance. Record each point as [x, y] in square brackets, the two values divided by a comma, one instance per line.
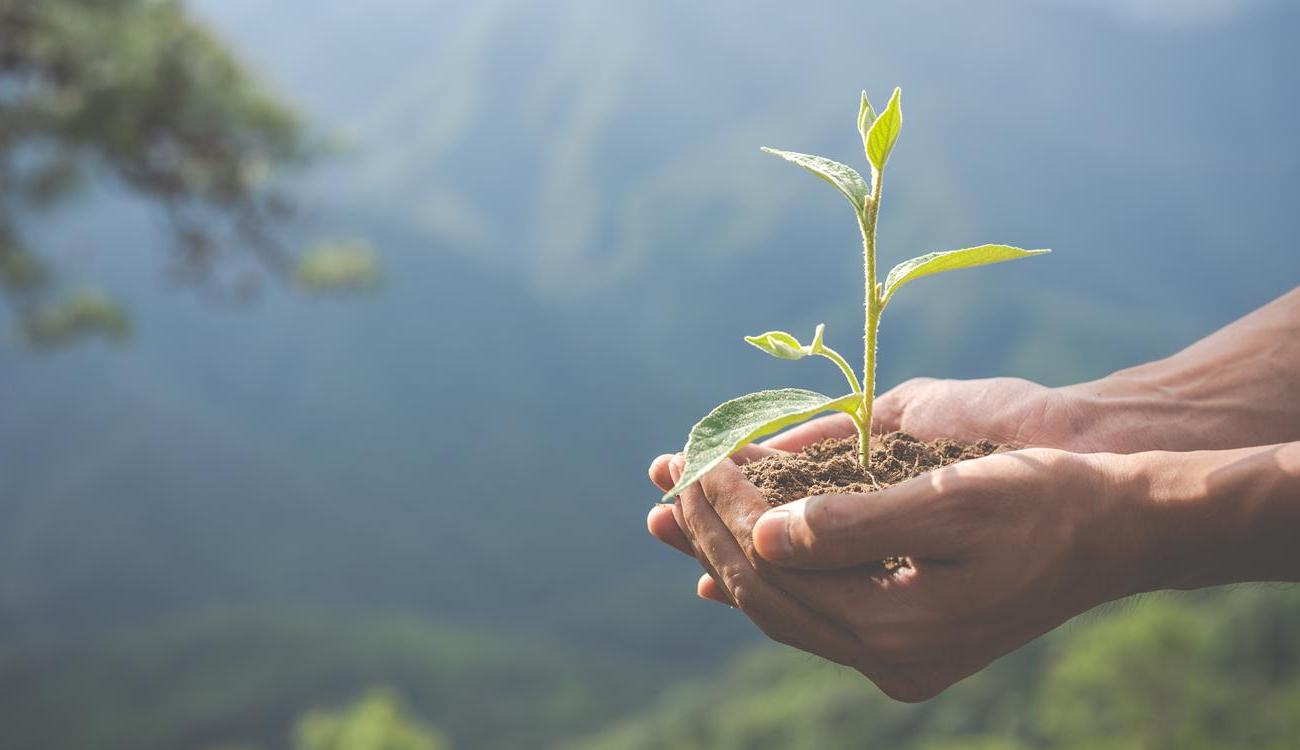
[845, 178]
[740, 421]
[884, 132]
[950, 260]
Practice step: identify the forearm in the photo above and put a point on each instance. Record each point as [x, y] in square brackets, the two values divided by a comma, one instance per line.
[1240, 386]
[1213, 517]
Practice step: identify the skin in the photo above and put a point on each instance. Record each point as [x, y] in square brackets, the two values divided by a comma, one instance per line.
[1140, 481]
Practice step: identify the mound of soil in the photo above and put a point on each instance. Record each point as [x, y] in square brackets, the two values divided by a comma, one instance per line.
[832, 465]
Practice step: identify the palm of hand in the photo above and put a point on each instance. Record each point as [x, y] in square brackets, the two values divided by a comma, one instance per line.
[1011, 411]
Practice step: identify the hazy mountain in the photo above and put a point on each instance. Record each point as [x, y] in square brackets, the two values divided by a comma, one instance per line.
[606, 156]
[577, 228]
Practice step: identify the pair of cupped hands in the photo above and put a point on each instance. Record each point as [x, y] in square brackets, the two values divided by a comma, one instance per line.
[1002, 548]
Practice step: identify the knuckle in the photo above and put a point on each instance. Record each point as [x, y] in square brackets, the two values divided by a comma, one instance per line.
[743, 596]
[825, 516]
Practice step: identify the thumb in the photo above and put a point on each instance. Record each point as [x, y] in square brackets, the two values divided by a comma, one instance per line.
[844, 530]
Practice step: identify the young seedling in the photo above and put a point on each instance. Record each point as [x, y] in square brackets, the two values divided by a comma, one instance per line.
[740, 421]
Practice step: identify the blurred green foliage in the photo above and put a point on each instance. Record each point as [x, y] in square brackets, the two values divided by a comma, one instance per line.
[345, 265]
[84, 313]
[376, 721]
[1219, 670]
[142, 88]
[1187, 672]
[223, 677]
[137, 89]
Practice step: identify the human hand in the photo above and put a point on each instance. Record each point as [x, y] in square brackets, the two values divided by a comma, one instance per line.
[1010, 411]
[1005, 410]
[1003, 549]
[1143, 409]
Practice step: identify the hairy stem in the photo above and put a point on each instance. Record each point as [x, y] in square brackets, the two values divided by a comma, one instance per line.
[867, 223]
[843, 364]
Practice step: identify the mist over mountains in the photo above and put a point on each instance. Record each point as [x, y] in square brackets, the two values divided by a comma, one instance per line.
[577, 228]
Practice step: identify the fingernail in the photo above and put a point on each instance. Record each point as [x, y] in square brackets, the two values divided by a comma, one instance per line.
[772, 535]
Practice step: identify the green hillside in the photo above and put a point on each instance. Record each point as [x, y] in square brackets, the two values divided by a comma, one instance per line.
[243, 677]
[1218, 671]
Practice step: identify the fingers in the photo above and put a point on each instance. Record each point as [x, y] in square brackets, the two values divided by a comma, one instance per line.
[739, 504]
[707, 588]
[661, 521]
[660, 474]
[886, 416]
[662, 478]
[822, 428]
[843, 530]
[778, 615]
[753, 452]
[675, 468]
[663, 526]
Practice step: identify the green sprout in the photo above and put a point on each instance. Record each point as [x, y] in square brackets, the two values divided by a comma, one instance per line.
[738, 422]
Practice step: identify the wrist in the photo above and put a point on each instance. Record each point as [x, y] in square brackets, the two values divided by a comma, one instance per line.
[1213, 517]
[1126, 412]
[1186, 403]
[1123, 546]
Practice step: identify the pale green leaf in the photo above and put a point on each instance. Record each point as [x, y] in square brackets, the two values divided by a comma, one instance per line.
[866, 116]
[950, 260]
[784, 346]
[845, 178]
[740, 421]
[884, 132]
[779, 344]
[817, 347]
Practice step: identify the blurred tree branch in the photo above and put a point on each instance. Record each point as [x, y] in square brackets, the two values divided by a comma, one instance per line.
[140, 91]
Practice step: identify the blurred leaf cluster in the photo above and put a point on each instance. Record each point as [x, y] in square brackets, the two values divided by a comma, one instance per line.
[83, 313]
[1215, 670]
[376, 721]
[1219, 670]
[251, 677]
[144, 89]
[140, 92]
[346, 265]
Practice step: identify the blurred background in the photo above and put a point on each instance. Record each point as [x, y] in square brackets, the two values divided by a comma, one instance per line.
[337, 337]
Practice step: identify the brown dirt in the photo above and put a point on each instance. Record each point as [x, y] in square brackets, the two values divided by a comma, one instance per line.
[832, 465]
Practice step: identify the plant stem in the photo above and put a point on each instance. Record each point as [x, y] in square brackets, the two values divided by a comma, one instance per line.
[843, 364]
[867, 223]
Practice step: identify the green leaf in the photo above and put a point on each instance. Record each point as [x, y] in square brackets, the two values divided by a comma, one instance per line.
[817, 347]
[884, 132]
[740, 421]
[950, 260]
[845, 178]
[866, 116]
[779, 344]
